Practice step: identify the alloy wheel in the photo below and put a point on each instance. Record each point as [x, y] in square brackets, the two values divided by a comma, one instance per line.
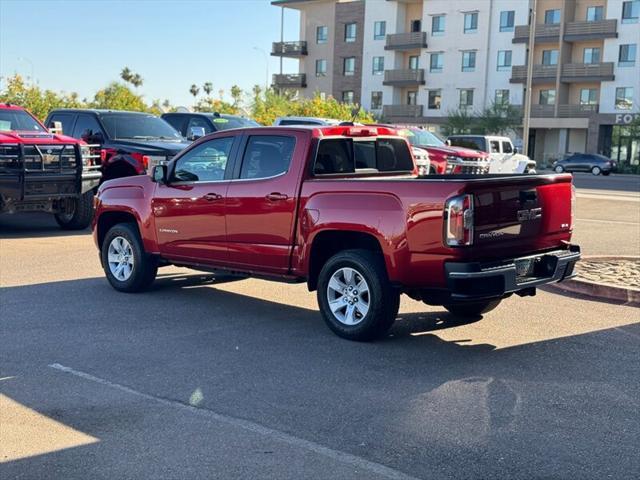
[348, 296]
[120, 258]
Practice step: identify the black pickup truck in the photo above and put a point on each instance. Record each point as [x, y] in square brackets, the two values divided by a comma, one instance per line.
[129, 143]
[44, 172]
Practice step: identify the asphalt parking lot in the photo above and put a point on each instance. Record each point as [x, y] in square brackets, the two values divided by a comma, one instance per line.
[207, 377]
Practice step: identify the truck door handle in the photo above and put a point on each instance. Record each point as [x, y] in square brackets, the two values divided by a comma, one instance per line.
[212, 197]
[276, 197]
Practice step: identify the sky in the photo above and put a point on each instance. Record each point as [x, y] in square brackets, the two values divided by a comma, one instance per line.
[82, 45]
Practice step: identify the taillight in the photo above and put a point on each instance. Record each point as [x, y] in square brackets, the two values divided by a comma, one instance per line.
[103, 155]
[143, 159]
[458, 221]
[573, 204]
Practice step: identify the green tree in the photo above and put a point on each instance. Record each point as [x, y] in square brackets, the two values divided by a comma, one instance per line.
[236, 94]
[498, 119]
[460, 121]
[194, 90]
[117, 96]
[208, 88]
[130, 77]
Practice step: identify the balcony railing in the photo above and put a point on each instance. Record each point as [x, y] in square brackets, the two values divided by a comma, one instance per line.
[404, 111]
[406, 41]
[580, 72]
[541, 73]
[576, 31]
[293, 80]
[543, 111]
[572, 111]
[544, 33]
[289, 49]
[404, 77]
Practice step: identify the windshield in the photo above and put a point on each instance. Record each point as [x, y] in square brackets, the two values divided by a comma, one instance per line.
[18, 120]
[421, 138]
[227, 123]
[138, 127]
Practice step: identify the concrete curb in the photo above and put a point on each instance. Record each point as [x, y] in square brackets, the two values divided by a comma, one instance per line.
[601, 291]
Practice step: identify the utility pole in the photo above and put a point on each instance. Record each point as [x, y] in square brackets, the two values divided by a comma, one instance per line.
[527, 96]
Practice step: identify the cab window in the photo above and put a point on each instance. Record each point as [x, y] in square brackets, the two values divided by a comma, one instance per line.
[507, 147]
[176, 121]
[343, 156]
[205, 163]
[66, 119]
[495, 146]
[267, 156]
[199, 122]
[86, 127]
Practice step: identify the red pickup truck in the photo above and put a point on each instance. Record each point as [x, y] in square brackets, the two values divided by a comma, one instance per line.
[341, 209]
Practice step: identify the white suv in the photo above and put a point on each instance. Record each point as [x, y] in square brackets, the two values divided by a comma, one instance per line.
[503, 154]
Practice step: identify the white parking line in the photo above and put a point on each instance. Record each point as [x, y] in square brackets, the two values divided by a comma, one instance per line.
[337, 455]
[616, 222]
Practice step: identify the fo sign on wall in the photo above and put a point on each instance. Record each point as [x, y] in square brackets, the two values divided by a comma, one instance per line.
[626, 118]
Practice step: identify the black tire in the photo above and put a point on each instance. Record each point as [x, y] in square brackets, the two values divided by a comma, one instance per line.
[531, 171]
[472, 309]
[81, 214]
[383, 299]
[145, 266]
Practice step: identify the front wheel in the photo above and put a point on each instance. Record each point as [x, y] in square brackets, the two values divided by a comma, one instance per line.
[596, 170]
[559, 169]
[355, 297]
[472, 309]
[77, 213]
[127, 266]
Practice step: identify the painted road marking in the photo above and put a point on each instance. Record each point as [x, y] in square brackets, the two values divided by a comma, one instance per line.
[617, 222]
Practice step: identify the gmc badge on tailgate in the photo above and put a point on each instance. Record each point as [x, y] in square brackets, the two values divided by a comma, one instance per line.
[526, 215]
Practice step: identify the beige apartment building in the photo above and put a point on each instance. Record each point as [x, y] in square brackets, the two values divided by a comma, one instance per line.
[415, 61]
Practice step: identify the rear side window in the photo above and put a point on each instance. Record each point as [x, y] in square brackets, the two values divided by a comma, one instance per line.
[86, 127]
[267, 156]
[495, 146]
[66, 119]
[340, 156]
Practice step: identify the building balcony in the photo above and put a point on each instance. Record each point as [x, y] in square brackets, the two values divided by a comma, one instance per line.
[541, 74]
[587, 72]
[574, 111]
[401, 111]
[578, 31]
[543, 111]
[406, 41]
[404, 77]
[289, 49]
[544, 33]
[292, 80]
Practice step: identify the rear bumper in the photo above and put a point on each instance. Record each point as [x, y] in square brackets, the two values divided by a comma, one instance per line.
[477, 280]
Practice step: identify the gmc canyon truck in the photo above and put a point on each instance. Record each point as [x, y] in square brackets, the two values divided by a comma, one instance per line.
[44, 172]
[341, 209]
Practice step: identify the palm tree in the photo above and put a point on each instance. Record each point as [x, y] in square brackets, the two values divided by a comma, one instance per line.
[194, 90]
[208, 88]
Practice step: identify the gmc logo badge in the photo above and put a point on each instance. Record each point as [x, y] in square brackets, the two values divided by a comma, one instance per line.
[526, 215]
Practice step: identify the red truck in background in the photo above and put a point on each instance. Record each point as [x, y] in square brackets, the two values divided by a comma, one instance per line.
[339, 209]
[44, 172]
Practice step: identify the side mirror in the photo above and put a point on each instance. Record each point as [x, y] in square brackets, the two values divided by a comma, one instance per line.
[515, 150]
[159, 174]
[195, 133]
[56, 128]
[448, 142]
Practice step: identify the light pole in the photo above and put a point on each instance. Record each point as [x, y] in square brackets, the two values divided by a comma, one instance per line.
[527, 98]
[266, 59]
[25, 59]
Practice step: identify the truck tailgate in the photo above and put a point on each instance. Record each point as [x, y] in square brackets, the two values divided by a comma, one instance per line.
[529, 211]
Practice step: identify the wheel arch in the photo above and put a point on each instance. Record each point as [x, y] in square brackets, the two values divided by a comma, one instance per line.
[108, 219]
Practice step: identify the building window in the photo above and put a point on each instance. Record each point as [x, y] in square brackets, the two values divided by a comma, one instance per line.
[412, 97]
[630, 11]
[436, 62]
[376, 100]
[416, 25]
[350, 32]
[588, 96]
[349, 66]
[435, 98]
[322, 34]
[550, 57]
[624, 98]
[468, 61]
[471, 22]
[552, 17]
[347, 96]
[506, 20]
[379, 30]
[504, 60]
[627, 55]
[591, 55]
[547, 97]
[378, 65]
[414, 61]
[595, 14]
[437, 25]
[321, 68]
[501, 97]
[466, 97]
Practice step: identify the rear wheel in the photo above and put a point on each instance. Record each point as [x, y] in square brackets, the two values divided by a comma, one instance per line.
[77, 213]
[596, 170]
[559, 169]
[127, 266]
[472, 309]
[355, 297]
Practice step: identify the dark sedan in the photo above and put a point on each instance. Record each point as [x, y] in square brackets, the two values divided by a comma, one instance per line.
[585, 162]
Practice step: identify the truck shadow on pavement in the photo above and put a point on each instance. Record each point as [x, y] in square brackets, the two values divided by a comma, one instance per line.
[32, 225]
[429, 407]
